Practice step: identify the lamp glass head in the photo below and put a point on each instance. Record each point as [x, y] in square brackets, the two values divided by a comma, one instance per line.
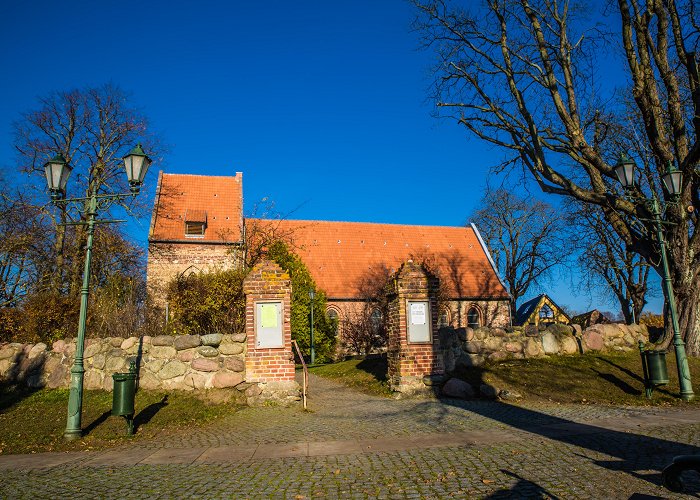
[136, 164]
[673, 179]
[624, 170]
[57, 172]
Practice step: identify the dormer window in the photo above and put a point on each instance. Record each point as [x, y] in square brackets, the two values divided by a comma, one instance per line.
[195, 223]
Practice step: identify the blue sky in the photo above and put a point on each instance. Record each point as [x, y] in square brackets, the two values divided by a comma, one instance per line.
[321, 104]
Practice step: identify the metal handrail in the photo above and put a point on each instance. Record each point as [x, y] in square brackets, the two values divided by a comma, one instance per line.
[305, 383]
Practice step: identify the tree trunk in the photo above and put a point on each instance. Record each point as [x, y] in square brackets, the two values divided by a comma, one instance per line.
[688, 305]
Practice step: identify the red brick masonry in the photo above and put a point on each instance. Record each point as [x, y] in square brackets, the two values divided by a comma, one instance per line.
[268, 282]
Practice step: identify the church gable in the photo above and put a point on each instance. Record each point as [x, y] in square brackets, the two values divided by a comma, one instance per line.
[197, 208]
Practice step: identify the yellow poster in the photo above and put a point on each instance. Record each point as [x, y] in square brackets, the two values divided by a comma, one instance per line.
[269, 315]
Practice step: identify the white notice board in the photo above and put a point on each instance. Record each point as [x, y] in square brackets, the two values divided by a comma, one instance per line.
[418, 321]
[268, 324]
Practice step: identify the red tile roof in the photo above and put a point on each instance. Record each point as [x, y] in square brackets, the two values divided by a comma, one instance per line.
[198, 198]
[342, 256]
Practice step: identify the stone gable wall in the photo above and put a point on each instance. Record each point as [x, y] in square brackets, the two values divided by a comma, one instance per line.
[167, 260]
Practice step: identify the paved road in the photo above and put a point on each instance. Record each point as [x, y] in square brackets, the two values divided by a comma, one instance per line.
[352, 445]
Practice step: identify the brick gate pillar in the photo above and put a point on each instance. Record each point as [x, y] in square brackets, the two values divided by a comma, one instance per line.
[413, 347]
[269, 359]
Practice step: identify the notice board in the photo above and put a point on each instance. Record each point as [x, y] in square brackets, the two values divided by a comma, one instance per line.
[268, 324]
[418, 321]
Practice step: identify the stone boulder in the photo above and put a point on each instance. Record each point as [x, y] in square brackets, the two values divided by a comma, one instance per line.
[236, 337]
[456, 388]
[497, 356]
[550, 344]
[163, 352]
[533, 348]
[208, 351]
[472, 347]
[186, 342]
[569, 345]
[163, 340]
[592, 340]
[488, 391]
[205, 364]
[531, 331]
[231, 348]
[212, 339]
[466, 360]
[172, 369]
[223, 379]
[509, 395]
[234, 364]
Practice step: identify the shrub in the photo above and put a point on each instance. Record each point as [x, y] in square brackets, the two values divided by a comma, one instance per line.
[211, 302]
[302, 283]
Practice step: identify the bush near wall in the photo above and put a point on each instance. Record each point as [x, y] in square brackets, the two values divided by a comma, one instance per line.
[211, 302]
[302, 283]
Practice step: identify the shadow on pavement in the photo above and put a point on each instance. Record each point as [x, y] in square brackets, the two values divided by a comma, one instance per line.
[522, 489]
[640, 456]
[625, 451]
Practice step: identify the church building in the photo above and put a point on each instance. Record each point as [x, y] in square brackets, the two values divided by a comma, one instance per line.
[198, 225]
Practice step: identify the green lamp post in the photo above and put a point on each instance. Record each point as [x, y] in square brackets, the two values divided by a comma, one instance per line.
[672, 180]
[57, 171]
[312, 295]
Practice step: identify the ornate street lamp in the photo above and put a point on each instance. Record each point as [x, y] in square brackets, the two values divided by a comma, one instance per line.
[312, 295]
[57, 172]
[672, 180]
[136, 164]
[625, 171]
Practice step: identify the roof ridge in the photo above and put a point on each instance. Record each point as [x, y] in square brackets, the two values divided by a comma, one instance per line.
[202, 175]
[358, 222]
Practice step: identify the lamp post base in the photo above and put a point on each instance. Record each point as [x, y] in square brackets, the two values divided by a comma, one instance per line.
[72, 435]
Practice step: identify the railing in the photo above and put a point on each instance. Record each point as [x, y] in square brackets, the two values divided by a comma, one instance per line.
[305, 384]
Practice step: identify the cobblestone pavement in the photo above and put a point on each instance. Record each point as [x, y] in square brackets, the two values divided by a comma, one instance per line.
[352, 445]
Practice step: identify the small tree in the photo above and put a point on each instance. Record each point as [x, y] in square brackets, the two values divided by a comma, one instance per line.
[606, 261]
[302, 283]
[524, 238]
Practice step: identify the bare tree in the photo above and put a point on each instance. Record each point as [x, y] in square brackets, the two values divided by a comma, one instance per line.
[525, 238]
[23, 246]
[529, 77]
[93, 129]
[607, 263]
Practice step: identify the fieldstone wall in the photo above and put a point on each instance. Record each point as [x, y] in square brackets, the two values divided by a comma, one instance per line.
[184, 362]
[471, 347]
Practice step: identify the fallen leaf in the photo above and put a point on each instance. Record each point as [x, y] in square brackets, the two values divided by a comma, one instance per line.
[487, 481]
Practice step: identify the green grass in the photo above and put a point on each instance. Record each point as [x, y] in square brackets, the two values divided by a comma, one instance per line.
[367, 375]
[588, 379]
[34, 421]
